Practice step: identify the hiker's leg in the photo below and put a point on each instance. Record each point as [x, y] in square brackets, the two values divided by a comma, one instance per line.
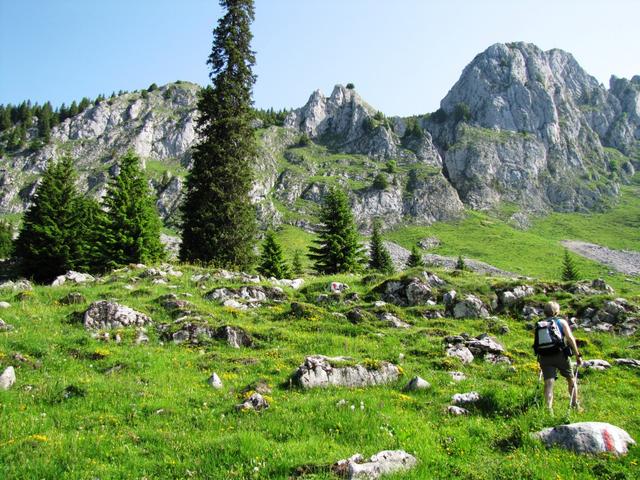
[573, 391]
[548, 392]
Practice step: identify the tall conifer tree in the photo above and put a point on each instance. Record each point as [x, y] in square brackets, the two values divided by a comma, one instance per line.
[379, 258]
[337, 248]
[219, 221]
[50, 240]
[131, 231]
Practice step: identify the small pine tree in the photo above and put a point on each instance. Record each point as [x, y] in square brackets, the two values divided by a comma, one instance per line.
[415, 259]
[460, 265]
[272, 263]
[297, 268]
[569, 270]
[6, 239]
[50, 240]
[337, 249]
[131, 232]
[379, 259]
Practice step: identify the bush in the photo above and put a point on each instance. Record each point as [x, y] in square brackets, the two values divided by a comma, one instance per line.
[304, 141]
[350, 86]
[380, 182]
[462, 113]
[391, 166]
[439, 116]
[152, 87]
[6, 239]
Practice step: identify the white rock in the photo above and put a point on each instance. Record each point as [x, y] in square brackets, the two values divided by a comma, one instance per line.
[73, 277]
[457, 376]
[214, 381]
[8, 378]
[5, 305]
[417, 383]
[596, 364]
[588, 437]
[461, 352]
[462, 398]
[382, 463]
[454, 410]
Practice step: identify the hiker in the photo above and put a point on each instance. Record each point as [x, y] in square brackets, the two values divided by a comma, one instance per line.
[554, 344]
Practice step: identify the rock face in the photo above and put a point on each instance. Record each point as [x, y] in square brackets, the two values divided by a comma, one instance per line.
[528, 126]
[105, 315]
[588, 437]
[319, 371]
[382, 463]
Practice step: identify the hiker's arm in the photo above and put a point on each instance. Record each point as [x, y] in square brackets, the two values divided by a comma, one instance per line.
[572, 341]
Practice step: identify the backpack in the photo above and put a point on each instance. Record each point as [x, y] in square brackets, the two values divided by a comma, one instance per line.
[548, 337]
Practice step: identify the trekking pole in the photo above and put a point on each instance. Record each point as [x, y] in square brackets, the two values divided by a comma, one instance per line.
[574, 392]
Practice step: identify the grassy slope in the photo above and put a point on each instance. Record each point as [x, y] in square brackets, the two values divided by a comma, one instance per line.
[157, 418]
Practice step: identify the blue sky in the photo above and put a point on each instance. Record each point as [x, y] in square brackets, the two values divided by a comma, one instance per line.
[402, 55]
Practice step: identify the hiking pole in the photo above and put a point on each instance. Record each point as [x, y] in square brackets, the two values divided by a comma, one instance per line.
[574, 392]
[537, 394]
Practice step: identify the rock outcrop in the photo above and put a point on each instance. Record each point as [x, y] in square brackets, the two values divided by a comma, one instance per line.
[320, 371]
[105, 315]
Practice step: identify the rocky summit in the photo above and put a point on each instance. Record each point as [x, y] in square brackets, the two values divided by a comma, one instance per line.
[521, 125]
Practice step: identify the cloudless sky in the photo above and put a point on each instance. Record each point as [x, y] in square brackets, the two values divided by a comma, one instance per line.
[402, 55]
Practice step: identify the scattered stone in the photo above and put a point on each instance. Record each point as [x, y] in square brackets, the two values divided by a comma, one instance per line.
[405, 293]
[18, 285]
[509, 298]
[457, 376]
[5, 305]
[214, 381]
[261, 386]
[18, 357]
[5, 327]
[8, 378]
[141, 338]
[587, 437]
[337, 287]
[393, 321]
[379, 303]
[417, 383]
[283, 282]
[234, 304]
[249, 295]
[105, 315]
[319, 371]
[234, 336]
[484, 344]
[470, 307]
[596, 365]
[464, 398]
[455, 410]
[255, 402]
[73, 298]
[159, 281]
[496, 358]
[461, 352]
[531, 313]
[382, 463]
[628, 362]
[73, 277]
[596, 287]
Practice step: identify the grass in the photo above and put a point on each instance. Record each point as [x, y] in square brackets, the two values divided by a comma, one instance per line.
[154, 416]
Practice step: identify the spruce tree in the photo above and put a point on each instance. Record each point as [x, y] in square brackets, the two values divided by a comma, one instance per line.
[415, 258]
[50, 239]
[219, 221]
[6, 239]
[337, 249]
[272, 263]
[131, 231]
[569, 270]
[460, 265]
[379, 258]
[297, 269]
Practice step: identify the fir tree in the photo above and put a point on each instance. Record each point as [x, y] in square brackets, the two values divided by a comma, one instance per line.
[272, 262]
[50, 240]
[131, 232]
[219, 221]
[460, 265]
[297, 269]
[6, 239]
[415, 258]
[379, 258]
[337, 249]
[569, 270]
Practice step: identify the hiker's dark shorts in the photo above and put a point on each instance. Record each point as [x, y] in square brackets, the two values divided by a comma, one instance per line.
[551, 363]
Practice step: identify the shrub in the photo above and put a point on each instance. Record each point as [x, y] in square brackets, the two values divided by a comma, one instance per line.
[152, 87]
[439, 116]
[350, 86]
[380, 182]
[304, 140]
[391, 166]
[460, 265]
[6, 239]
[462, 113]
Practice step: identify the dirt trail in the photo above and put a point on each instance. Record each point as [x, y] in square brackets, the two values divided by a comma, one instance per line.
[623, 261]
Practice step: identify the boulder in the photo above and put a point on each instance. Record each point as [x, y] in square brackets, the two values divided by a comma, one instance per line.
[234, 336]
[105, 315]
[283, 282]
[255, 402]
[393, 321]
[5, 327]
[18, 285]
[417, 383]
[337, 287]
[429, 243]
[508, 298]
[73, 277]
[214, 381]
[461, 352]
[455, 410]
[405, 293]
[628, 362]
[587, 437]
[5, 305]
[596, 364]
[457, 376]
[465, 398]
[249, 295]
[321, 371]
[484, 344]
[470, 307]
[73, 298]
[8, 378]
[382, 463]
